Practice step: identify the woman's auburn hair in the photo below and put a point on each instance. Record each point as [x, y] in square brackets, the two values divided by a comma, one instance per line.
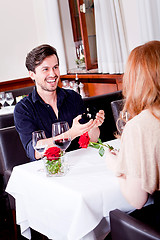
[141, 80]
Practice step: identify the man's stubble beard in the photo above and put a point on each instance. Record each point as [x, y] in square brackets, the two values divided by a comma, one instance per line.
[48, 90]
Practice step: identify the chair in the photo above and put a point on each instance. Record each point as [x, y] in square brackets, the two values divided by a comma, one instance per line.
[6, 120]
[126, 227]
[12, 154]
[21, 91]
[103, 102]
[117, 107]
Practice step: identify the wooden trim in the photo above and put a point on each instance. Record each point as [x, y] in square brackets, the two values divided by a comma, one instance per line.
[94, 75]
[73, 22]
[84, 33]
[85, 78]
[14, 84]
[81, 21]
[115, 79]
[95, 78]
[119, 84]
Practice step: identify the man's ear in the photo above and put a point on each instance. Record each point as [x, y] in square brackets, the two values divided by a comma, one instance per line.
[32, 75]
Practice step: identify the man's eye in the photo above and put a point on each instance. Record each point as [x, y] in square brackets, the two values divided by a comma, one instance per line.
[45, 69]
[56, 67]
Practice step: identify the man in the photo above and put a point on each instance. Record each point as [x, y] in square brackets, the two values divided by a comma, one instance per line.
[48, 103]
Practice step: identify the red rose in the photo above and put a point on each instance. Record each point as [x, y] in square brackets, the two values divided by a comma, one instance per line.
[84, 140]
[53, 153]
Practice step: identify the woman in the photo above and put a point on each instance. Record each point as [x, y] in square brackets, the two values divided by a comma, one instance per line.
[137, 164]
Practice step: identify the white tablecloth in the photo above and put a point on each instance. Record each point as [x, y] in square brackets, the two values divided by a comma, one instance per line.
[68, 207]
[7, 110]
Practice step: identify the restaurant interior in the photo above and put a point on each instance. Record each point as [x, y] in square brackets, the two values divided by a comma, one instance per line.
[93, 39]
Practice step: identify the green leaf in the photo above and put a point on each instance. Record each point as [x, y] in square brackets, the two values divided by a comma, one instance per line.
[110, 147]
[99, 140]
[94, 145]
[101, 151]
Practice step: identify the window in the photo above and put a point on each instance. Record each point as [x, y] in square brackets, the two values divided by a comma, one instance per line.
[84, 34]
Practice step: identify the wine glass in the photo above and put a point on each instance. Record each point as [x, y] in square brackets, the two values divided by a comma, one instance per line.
[61, 128]
[38, 143]
[121, 122]
[2, 98]
[65, 84]
[63, 141]
[9, 98]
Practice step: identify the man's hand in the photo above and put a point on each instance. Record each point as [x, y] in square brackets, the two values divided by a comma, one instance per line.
[94, 132]
[100, 116]
[78, 129]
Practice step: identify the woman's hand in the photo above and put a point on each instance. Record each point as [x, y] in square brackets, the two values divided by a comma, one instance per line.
[111, 159]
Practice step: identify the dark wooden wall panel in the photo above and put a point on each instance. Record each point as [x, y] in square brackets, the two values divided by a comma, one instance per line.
[95, 84]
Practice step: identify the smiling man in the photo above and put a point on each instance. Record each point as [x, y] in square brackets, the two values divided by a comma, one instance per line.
[49, 103]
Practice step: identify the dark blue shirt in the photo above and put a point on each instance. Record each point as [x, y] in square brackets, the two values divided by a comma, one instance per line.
[32, 114]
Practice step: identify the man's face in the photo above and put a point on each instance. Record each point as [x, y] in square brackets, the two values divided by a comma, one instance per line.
[47, 74]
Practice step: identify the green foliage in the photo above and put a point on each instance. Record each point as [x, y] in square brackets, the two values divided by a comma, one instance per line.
[99, 145]
[80, 61]
[53, 166]
[101, 151]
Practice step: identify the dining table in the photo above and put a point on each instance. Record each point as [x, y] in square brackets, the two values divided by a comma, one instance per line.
[70, 207]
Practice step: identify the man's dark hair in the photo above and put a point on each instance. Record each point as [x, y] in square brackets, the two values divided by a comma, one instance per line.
[37, 55]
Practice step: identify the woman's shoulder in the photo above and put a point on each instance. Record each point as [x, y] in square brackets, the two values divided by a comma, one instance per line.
[142, 126]
[144, 119]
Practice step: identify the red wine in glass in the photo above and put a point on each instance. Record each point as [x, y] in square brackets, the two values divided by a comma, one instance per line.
[61, 128]
[63, 143]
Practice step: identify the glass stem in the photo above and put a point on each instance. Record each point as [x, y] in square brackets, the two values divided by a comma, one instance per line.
[64, 152]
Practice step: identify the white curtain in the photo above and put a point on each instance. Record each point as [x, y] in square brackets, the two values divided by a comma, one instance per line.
[112, 48]
[149, 19]
[54, 31]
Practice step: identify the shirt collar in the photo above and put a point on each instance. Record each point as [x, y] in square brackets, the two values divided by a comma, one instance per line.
[35, 96]
[61, 95]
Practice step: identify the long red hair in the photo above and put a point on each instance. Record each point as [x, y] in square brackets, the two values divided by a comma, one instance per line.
[141, 80]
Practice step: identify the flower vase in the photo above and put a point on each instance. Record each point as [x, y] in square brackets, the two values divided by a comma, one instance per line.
[55, 167]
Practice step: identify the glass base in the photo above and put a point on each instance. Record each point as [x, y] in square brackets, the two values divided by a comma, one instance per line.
[56, 168]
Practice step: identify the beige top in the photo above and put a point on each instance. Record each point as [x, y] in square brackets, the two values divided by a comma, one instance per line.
[139, 154]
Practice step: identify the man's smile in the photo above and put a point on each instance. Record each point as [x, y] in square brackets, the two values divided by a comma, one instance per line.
[51, 80]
